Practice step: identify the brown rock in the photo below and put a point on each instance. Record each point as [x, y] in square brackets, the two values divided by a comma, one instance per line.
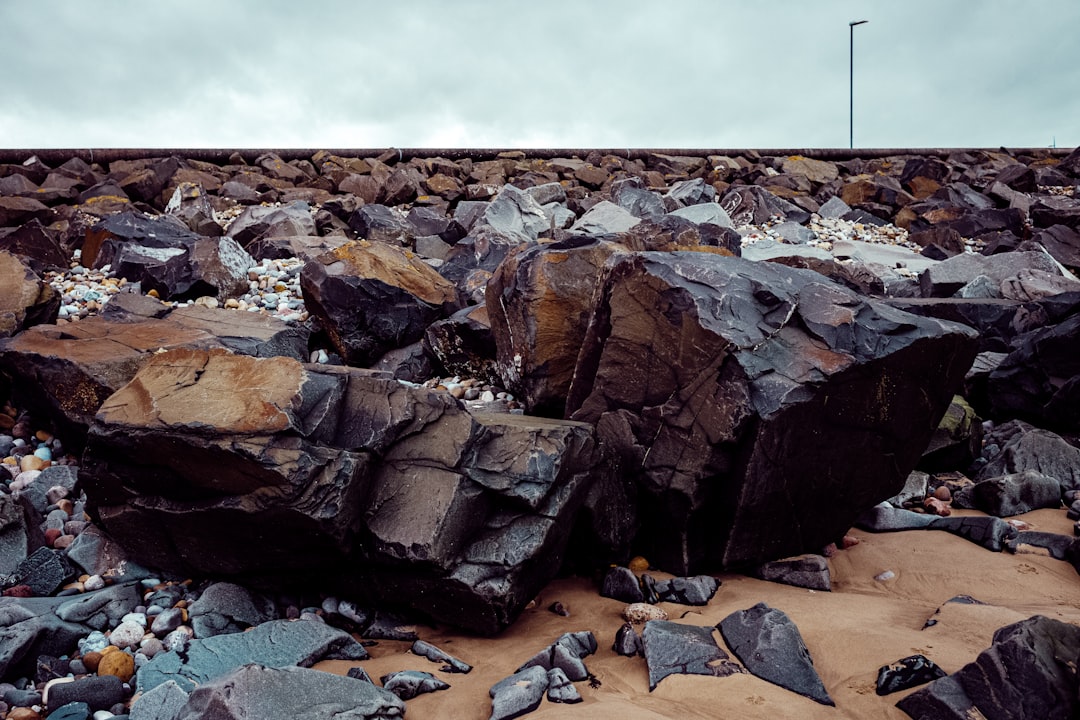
[17, 210]
[539, 301]
[120, 664]
[25, 299]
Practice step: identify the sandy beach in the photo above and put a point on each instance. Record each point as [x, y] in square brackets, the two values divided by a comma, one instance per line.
[850, 632]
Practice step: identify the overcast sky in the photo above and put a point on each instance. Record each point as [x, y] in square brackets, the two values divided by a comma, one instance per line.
[545, 73]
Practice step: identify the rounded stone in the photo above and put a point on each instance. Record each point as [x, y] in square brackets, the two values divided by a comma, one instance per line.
[119, 664]
[127, 634]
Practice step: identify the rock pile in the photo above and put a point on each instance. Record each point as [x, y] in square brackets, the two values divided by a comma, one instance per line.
[426, 385]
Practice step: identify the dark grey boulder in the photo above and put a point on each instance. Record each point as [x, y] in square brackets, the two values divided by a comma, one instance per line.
[43, 571]
[807, 571]
[620, 583]
[276, 644]
[461, 516]
[567, 653]
[518, 694]
[513, 214]
[102, 609]
[907, 673]
[945, 278]
[18, 533]
[672, 648]
[407, 684]
[1039, 381]
[691, 192]
[631, 195]
[709, 213]
[604, 218]
[1025, 673]
[704, 399]
[1015, 447]
[769, 644]
[434, 654]
[286, 693]
[1016, 493]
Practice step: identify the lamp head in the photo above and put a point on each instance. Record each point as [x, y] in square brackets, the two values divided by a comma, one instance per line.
[853, 23]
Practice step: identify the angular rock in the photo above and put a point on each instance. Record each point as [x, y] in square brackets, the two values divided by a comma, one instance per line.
[17, 210]
[514, 214]
[696, 590]
[191, 204]
[769, 644]
[817, 171]
[627, 641]
[276, 644]
[462, 516]
[754, 205]
[373, 297]
[283, 693]
[710, 213]
[379, 223]
[463, 345]
[1039, 381]
[631, 195]
[25, 299]
[538, 302]
[518, 694]
[17, 533]
[689, 356]
[990, 532]
[834, 207]
[560, 689]
[671, 648]
[289, 246]
[567, 654]
[407, 684]
[691, 192]
[227, 608]
[1016, 493]
[620, 583]
[956, 442]
[436, 655]
[603, 218]
[164, 255]
[1057, 546]
[673, 232]
[42, 571]
[806, 571]
[907, 673]
[1023, 674]
[29, 628]
[945, 278]
[37, 245]
[162, 703]
[259, 221]
[64, 374]
[1015, 447]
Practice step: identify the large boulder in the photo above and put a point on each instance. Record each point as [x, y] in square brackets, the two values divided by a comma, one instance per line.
[1028, 672]
[372, 297]
[274, 473]
[25, 299]
[539, 301]
[760, 407]
[65, 373]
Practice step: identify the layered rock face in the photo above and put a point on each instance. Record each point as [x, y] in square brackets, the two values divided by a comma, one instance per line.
[273, 472]
[758, 406]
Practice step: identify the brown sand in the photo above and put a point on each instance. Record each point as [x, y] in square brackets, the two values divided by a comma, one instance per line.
[850, 632]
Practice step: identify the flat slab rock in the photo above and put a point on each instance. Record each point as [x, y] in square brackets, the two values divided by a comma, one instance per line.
[287, 693]
[277, 643]
[768, 643]
[673, 648]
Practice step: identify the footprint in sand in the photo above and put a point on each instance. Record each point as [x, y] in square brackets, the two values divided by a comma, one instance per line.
[1027, 569]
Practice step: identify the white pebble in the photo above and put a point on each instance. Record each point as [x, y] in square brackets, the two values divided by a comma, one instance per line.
[887, 575]
[127, 635]
[94, 582]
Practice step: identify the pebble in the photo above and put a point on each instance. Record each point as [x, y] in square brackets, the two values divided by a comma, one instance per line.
[887, 575]
[127, 634]
[638, 613]
[120, 664]
[94, 582]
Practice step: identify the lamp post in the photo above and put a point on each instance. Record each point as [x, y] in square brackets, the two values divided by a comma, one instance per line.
[851, 77]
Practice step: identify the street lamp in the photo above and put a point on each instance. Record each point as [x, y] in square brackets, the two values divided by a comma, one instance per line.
[851, 76]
